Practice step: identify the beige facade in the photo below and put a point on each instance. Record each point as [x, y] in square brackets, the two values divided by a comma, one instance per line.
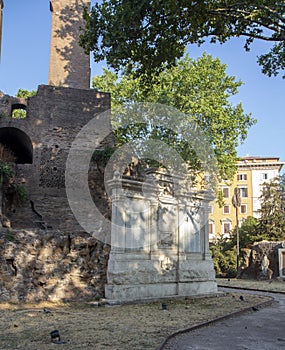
[69, 65]
[251, 174]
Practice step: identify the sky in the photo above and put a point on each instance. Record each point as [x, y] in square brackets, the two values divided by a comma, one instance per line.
[25, 60]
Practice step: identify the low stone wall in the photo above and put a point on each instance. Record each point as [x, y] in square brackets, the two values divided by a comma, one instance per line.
[48, 265]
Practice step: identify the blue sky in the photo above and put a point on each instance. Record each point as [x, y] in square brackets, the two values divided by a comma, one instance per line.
[25, 61]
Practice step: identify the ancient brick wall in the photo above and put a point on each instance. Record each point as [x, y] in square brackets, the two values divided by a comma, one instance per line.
[45, 254]
[54, 117]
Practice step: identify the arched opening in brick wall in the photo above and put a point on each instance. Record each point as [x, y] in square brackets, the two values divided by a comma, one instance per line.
[19, 143]
[19, 110]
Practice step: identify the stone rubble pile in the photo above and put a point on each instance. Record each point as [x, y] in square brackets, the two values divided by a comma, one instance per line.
[39, 265]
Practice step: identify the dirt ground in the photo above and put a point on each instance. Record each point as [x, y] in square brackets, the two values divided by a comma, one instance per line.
[125, 327]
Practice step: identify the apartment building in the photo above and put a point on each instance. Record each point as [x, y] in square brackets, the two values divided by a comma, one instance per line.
[251, 174]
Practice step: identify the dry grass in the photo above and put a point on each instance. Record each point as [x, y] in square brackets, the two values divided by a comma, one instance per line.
[83, 326]
[268, 285]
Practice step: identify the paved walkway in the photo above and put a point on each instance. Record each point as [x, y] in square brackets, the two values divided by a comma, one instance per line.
[257, 330]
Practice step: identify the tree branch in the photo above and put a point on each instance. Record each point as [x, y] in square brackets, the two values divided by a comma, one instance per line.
[261, 37]
[274, 13]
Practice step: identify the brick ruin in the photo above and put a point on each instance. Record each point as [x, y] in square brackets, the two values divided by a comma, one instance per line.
[41, 143]
[43, 232]
[45, 254]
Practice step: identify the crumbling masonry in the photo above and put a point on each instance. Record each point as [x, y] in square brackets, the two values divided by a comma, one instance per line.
[45, 253]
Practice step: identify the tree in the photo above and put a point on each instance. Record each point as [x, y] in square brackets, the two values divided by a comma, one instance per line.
[224, 260]
[148, 35]
[22, 93]
[224, 251]
[248, 233]
[198, 88]
[270, 226]
[271, 223]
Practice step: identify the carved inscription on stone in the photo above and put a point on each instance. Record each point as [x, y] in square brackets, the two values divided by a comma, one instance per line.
[166, 225]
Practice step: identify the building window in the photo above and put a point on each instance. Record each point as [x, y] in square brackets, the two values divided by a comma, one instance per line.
[243, 209]
[242, 177]
[264, 176]
[211, 228]
[226, 228]
[226, 192]
[243, 192]
[226, 209]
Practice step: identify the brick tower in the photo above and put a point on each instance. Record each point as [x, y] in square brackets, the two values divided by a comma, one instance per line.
[69, 65]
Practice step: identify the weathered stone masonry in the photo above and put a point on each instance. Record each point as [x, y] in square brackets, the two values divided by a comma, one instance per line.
[51, 265]
[54, 117]
[69, 65]
[46, 254]
[41, 143]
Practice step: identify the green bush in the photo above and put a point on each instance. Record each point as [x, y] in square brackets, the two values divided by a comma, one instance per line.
[224, 261]
[21, 194]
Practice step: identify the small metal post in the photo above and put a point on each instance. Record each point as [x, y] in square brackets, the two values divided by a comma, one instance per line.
[236, 200]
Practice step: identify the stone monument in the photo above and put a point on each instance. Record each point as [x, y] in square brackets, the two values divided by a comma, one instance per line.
[159, 239]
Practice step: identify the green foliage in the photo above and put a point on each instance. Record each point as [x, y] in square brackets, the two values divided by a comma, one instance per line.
[220, 199]
[198, 88]
[102, 156]
[224, 261]
[6, 172]
[20, 113]
[6, 160]
[10, 236]
[248, 233]
[272, 213]
[8, 176]
[147, 36]
[21, 194]
[270, 226]
[224, 250]
[22, 93]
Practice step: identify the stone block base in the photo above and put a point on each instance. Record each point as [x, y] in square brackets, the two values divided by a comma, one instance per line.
[128, 293]
[136, 277]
